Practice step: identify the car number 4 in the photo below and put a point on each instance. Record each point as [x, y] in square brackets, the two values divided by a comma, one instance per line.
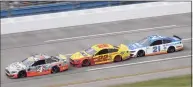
[40, 69]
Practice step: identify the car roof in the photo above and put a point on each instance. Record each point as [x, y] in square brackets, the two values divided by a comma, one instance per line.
[152, 38]
[37, 57]
[99, 47]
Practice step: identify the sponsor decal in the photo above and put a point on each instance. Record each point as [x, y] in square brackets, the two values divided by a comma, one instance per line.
[164, 47]
[102, 45]
[101, 58]
[122, 53]
[178, 46]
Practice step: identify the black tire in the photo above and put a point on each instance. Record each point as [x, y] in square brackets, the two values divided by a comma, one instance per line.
[85, 62]
[117, 58]
[55, 69]
[22, 74]
[140, 53]
[171, 50]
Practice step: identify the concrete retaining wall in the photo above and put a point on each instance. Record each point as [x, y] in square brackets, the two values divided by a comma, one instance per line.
[91, 16]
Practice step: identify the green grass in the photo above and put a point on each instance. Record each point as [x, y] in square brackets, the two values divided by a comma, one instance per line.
[179, 81]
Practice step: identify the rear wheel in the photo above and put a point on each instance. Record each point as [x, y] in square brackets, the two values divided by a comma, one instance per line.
[117, 58]
[140, 53]
[55, 69]
[171, 50]
[22, 74]
[86, 62]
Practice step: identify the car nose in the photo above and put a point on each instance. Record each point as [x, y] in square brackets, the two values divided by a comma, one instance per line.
[7, 71]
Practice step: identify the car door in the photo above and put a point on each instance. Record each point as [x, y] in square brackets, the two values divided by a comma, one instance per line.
[155, 47]
[101, 57]
[37, 68]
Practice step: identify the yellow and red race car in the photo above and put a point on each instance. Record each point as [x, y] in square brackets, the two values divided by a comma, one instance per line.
[100, 54]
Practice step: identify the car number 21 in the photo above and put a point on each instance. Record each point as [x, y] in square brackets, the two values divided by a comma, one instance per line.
[156, 49]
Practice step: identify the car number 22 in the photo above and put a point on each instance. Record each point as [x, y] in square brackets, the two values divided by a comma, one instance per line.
[101, 58]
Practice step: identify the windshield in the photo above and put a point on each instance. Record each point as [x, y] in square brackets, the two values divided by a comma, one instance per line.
[28, 61]
[144, 42]
[90, 51]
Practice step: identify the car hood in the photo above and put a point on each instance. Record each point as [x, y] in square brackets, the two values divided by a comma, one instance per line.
[134, 46]
[79, 55]
[17, 66]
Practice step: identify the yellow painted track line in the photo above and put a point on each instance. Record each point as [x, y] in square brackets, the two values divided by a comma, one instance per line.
[116, 77]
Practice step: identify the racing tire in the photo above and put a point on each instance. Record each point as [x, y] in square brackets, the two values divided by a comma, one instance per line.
[85, 62]
[22, 74]
[117, 58]
[55, 69]
[171, 50]
[140, 53]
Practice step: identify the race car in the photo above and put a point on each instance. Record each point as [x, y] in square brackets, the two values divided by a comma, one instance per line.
[100, 54]
[36, 65]
[155, 44]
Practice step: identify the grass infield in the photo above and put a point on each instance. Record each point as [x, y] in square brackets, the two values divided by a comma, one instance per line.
[178, 81]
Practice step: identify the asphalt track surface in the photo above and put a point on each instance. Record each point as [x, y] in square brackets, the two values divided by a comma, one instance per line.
[15, 47]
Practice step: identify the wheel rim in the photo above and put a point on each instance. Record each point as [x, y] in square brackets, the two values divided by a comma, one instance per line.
[86, 63]
[117, 58]
[171, 50]
[22, 75]
[140, 54]
[54, 70]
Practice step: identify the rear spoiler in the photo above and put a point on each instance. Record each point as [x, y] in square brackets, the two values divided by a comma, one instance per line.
[123, 47]
[177, 37]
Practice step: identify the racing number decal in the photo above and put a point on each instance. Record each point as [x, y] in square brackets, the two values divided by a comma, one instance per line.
[101, 58]
[102, 45]
[41, 68]
[156, 49]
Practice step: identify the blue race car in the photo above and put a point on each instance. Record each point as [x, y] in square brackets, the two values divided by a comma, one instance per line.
[155, 44]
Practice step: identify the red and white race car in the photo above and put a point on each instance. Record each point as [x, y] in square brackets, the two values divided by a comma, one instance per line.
[36, 65]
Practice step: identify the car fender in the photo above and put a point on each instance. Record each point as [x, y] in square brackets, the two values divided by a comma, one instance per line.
[123, 51]
[137, 50]
[112, 56]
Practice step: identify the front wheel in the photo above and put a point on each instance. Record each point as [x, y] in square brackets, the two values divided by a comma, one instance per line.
[86, 63]
[140, 54]
[22, 74]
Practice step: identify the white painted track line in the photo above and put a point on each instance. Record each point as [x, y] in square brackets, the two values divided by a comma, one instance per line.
[186, 39]
[171, 58]
[113, 33]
